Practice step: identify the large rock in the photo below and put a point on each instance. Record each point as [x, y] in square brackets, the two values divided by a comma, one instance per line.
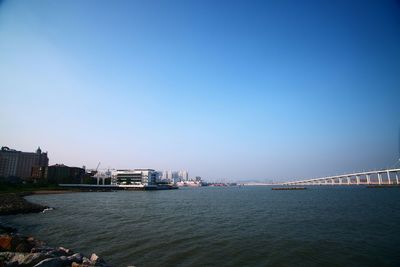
[77, 258]
[86, 261]
[65, 251]
[53, 252]
[21, 245]
[98, 261]
[75, 264]
[52, 262]
[22, 259]
[35, 242]
[42, 249]
[27, 251]
[5, 242]
[5, 256]
[66, 260]
[15, 243]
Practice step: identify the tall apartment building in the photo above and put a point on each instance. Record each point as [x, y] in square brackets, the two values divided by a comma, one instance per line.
[184, 175]
[170, 175]
[20, 164]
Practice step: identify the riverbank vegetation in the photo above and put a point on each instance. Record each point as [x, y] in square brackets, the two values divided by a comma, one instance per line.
[28, 187]
[18, 185]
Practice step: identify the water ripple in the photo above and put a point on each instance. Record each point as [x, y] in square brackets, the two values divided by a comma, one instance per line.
[251, 226]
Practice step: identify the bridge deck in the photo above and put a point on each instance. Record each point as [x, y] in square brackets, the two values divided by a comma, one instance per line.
[361, 178]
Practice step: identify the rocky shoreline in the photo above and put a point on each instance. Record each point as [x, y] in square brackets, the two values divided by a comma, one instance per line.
[13, 203]
[20, 250]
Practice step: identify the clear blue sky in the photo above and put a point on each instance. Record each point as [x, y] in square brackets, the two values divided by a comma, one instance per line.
[225, 89]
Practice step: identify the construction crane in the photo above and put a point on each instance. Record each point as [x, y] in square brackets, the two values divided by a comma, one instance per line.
[102, 175]
[97, 168]
[93, 172]
[97, 174]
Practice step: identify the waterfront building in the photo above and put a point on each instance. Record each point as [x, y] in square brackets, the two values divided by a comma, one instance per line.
[136, 177]
[160, 176]
[62, 174]
[164, 175]
[175, 177]
[39, 173]
[168, 176]
[15, 163]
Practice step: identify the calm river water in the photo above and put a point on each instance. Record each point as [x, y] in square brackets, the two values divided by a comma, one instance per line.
[233, 226]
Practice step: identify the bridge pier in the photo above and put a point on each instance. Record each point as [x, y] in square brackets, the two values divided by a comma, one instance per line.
[368, 179]
[388, 176]
[379, 178]
[358, 179]
[397, 178]
[348, 180]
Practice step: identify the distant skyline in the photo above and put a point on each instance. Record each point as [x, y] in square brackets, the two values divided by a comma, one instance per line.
[234, 90]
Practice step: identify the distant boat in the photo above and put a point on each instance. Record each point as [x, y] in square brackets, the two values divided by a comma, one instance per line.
[188, 184]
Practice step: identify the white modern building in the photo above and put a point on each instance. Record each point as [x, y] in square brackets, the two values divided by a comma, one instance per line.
[134, 178]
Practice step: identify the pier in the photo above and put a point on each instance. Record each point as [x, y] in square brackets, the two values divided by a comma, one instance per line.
[93, 187]
[378, 177]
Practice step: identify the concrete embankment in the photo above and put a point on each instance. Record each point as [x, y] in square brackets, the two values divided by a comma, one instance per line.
[20, 250]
